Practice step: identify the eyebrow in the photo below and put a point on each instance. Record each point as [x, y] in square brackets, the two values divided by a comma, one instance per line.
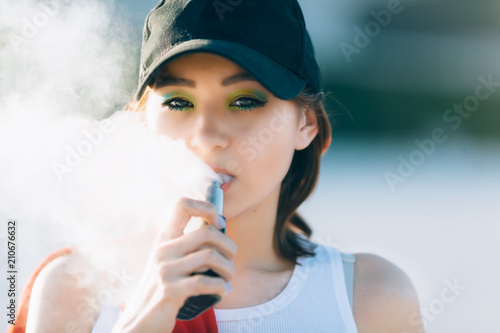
[164, 79]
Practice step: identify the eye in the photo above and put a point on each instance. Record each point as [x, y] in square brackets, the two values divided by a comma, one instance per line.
[246, 103]
[177, 104]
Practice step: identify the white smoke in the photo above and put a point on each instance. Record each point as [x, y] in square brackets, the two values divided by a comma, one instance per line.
[68, 175]
[66, 57]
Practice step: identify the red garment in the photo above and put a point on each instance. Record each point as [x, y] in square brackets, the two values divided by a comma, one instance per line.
[204, 323]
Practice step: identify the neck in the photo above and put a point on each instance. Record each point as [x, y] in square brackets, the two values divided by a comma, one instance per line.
[253, 233]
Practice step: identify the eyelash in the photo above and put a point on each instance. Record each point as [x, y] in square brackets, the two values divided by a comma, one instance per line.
[256, 104]
[176, 108]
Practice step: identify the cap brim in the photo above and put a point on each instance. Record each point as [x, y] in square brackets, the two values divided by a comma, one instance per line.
[276, 78]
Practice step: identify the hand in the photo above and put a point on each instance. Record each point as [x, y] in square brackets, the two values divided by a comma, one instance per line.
[167, 281]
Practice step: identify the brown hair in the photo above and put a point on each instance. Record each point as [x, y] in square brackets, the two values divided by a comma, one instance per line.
[299, 182]
[291, 231]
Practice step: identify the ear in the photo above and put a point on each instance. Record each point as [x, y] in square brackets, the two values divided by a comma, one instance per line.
[308, 129]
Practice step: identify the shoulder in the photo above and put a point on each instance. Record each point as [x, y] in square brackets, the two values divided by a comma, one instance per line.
[61, 296]
[385, 299]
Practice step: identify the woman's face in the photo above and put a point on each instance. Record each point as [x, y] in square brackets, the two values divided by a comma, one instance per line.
[231, 122]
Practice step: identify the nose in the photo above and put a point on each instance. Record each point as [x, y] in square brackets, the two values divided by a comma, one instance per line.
[208, 133]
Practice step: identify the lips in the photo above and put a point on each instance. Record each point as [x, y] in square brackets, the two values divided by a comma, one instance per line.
[225, 186]
[221, 171]
[225, 178]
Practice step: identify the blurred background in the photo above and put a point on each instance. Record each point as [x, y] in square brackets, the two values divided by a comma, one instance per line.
[396, 73]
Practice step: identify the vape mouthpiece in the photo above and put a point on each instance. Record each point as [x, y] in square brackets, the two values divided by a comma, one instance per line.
[215, 195]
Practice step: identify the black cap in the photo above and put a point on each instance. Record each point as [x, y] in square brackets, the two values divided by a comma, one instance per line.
[268, 38]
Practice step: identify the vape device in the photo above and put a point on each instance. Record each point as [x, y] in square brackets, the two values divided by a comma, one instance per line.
[195, 305]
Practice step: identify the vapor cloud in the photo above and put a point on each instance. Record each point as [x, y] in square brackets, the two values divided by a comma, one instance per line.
[69, 173]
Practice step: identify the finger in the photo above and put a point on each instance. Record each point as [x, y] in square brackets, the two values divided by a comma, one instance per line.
[182, 213]
[204, 285]
[207, 236]
[200, 261]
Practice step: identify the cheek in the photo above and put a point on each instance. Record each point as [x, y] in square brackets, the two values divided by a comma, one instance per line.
[158, 122]
[167, 127]
[268, 148]
[156, 118]
[263, 174]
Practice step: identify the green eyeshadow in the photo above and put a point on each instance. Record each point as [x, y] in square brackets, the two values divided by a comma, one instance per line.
[181, 94]
[257, 94]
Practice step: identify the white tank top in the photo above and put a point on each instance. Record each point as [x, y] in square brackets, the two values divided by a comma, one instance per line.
[314, 300]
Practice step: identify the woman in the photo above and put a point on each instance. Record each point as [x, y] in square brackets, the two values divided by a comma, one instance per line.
[238, 81]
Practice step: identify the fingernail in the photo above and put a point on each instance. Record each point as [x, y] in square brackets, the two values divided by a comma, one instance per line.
[222, 222]
[228, 287]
